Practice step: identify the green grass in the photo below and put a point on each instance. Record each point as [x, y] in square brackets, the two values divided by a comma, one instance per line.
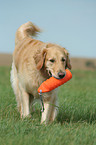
[74, 125]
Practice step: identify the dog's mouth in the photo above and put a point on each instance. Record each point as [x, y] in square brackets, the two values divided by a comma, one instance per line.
[49, 72]
[60, 75]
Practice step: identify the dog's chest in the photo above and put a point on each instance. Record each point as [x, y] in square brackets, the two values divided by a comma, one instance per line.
[33, 84]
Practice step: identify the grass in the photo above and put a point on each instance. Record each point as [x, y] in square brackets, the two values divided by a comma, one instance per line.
[74, 125]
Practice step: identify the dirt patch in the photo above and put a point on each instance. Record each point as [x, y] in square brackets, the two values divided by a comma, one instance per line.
[5, 59]
[83, 63]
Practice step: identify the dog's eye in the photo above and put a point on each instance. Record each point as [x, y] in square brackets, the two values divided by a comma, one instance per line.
[52, 60]
[63, 59]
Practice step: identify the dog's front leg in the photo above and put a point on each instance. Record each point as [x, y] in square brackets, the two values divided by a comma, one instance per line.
[46, 113]
[50, 109]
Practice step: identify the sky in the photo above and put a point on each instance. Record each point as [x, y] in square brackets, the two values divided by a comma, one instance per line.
[69, 23]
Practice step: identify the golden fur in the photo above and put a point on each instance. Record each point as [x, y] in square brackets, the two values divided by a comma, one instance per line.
[33, 62]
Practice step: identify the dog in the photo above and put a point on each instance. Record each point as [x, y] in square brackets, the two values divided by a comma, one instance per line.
[33, 62]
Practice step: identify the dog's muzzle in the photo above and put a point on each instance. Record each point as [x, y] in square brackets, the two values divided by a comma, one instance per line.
[61, 75]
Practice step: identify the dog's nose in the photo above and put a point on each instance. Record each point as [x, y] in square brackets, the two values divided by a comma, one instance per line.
[61, 75]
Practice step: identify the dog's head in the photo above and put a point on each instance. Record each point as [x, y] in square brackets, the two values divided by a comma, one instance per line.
[55, 59]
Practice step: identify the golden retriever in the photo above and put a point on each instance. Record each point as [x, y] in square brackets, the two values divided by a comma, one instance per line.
[33, 62]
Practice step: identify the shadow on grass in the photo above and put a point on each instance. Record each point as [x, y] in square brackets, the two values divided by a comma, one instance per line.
[70, 114]
[65, 114]
[73, 115]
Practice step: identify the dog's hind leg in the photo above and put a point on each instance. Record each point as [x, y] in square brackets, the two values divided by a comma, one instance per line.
[25, 101]
[15, 86]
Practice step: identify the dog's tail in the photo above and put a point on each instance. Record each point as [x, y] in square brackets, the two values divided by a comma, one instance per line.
[26, 30]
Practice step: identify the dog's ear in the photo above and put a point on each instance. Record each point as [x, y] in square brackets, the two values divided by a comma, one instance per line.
[40, 55]
[39, 58]
[68, 64]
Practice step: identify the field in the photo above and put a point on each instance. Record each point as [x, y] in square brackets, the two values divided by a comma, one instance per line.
[77, 63]
[74, 125]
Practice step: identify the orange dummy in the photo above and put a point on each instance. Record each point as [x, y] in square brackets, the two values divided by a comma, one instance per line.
[53, 83]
